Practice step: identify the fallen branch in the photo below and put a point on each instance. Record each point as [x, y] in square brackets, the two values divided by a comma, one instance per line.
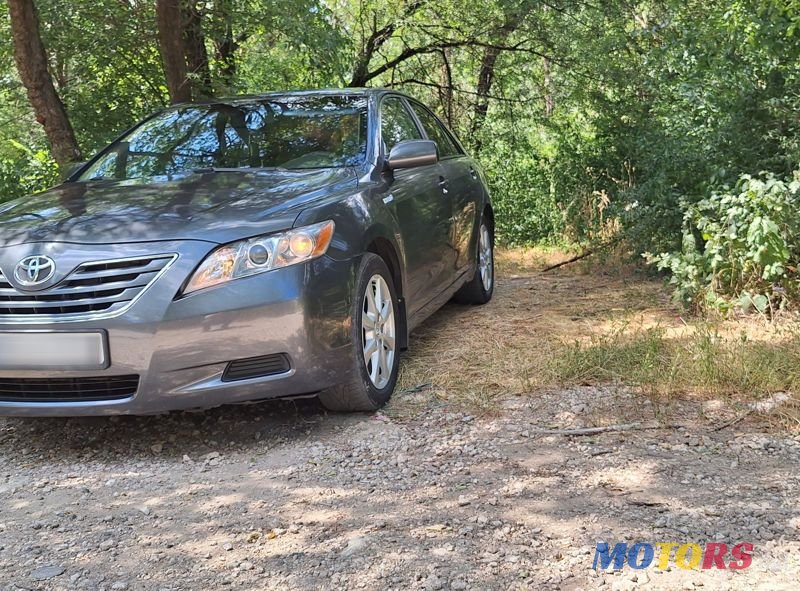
[594, 430]
[416, 389]
[733, 422]
[645, 503]
[586, 253]
[597, 430]
[574, 259]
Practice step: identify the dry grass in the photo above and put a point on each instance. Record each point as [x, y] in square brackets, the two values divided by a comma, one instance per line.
[592, 322]
[475, 354]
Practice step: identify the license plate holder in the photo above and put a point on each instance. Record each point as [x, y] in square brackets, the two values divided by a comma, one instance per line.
[58, 351]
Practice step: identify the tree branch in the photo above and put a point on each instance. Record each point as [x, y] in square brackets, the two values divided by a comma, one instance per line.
[377, 39]
[455, 89]
[410, 52]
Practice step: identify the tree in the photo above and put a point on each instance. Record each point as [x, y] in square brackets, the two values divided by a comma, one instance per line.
[589, 119]
[225, 44]
[511, 22]
[194, 41]
[32, 64]
[171, 36]
[105, 64]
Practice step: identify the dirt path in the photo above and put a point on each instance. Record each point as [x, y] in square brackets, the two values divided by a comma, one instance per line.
[422, 496]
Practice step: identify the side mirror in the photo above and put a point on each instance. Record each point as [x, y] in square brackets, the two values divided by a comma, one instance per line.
[413, 153]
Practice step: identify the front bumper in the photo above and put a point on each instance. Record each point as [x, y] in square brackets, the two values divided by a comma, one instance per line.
[180, 348]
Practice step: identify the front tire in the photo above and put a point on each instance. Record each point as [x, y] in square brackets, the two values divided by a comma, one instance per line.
[374, 355]
[480, 288]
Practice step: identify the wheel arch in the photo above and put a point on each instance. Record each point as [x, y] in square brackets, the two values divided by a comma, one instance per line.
[489, 213]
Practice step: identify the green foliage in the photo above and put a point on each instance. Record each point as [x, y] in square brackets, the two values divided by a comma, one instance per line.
[618, 119]
[286, 44]
[524, 202]
[740, 248]
[24, 171]
[105, 64]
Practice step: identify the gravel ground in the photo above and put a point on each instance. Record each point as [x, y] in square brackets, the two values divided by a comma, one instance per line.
[284, 496]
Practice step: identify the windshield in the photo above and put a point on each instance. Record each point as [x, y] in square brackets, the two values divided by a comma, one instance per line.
[285, 132]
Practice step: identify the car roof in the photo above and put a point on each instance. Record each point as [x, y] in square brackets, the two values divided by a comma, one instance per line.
[365, 92]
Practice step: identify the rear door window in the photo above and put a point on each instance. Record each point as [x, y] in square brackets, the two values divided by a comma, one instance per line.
[437, 132]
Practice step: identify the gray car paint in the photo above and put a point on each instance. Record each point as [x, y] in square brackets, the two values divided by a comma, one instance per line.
[181, 345]
[213, 206]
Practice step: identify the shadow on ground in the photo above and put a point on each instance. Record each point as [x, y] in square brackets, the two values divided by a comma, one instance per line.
[282, 495]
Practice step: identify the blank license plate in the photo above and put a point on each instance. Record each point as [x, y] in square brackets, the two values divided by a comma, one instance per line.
[53, 350]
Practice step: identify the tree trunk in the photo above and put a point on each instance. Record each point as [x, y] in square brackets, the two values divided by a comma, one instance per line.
[549, 100]
[446, 88]
[31, 60]
[486, 77]
[173, 54]
[226, 54]
[226, 45]
[485, 81]
[513, 17]
[196, 53]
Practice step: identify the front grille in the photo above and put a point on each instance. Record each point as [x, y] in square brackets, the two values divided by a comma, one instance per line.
[68, 389]
[101, 287]
[256, 367]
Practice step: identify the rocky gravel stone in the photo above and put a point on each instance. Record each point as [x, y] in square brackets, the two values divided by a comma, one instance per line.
[284, 496]
[43, 573]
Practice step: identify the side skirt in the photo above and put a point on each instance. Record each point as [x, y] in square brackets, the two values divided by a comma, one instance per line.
[437, 302]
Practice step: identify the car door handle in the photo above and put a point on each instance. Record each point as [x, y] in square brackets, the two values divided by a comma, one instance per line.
[443, 184]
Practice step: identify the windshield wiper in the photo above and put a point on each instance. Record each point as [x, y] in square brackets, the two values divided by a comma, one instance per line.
[210, 169]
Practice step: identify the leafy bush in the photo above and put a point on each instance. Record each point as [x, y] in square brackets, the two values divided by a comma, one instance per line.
[740, 248]
[24, 171]
[525, 208]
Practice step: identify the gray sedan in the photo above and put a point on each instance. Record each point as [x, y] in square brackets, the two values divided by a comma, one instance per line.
[238, 250]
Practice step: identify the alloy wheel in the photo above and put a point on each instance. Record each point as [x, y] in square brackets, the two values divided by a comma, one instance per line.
[378, 331]
[485, 259]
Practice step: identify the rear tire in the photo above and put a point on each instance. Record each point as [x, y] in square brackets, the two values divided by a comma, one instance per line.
[479, 289]
[375, 354]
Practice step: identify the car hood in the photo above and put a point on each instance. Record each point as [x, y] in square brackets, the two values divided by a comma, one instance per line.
[219, 206]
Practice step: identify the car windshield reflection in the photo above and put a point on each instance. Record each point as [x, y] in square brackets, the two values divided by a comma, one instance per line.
[276, 133]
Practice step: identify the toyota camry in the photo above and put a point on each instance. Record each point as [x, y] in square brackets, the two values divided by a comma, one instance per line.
[238, 250]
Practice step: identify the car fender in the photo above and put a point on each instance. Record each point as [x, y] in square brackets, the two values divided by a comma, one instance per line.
[362, 219]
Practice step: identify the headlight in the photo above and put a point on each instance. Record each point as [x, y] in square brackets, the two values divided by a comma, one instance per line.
[261, 254]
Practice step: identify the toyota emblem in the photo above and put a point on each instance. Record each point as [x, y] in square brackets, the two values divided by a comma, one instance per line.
[34, 270]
